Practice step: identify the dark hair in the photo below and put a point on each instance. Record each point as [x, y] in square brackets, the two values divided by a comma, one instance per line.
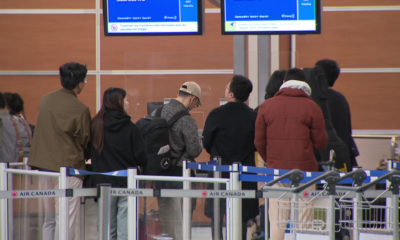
[274, 83]
[2, 101]
[14, 102]
[71, 74]
[295, 74]
[241, 87]
[331, 70]
[113, 99]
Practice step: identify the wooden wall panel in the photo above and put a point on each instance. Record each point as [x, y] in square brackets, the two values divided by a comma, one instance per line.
[48, 4]
[45, 42]
[354, 39]
[373, 99]
[33, 88]
[357, 3]
[182, 52]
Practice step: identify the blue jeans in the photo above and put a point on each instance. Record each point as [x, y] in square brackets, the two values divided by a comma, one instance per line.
[118, 218]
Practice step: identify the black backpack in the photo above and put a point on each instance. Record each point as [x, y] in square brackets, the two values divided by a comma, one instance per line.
[316, 78]
[155, 132]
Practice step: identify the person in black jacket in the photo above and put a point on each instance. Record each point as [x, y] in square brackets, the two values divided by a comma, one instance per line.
[339, 108]
[229, 133]
[116, 145]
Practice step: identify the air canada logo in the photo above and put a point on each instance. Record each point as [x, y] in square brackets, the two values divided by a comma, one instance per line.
[14, 194]
[306, 194]
[204, 194]
[114, 27]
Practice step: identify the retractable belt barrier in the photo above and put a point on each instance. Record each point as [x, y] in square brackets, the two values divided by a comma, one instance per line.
[143, 192]
[233, 194]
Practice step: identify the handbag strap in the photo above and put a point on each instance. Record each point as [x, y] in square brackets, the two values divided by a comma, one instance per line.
[21, 152]
[26, 128]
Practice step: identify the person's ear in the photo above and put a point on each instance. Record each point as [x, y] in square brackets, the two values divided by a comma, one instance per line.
[80, 85]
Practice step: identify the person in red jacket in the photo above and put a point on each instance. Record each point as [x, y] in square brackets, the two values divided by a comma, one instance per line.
[289, 127]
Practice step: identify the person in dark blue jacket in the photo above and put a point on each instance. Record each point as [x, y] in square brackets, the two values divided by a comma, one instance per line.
[116, 145]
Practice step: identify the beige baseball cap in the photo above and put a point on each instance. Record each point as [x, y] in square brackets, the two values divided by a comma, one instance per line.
[193, 89]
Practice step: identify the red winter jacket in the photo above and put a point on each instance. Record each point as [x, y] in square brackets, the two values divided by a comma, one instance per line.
[289, 127]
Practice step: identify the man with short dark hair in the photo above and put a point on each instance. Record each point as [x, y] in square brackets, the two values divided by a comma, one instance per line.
[62, 134]
[289, 127]
[185, 145]
[339, 108]
[229, 134]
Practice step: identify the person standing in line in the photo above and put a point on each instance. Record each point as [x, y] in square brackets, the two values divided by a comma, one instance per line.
[185, 145]
[339, 108]
[289, 127]
[229, 133]
[15, 105]
[62, 134]
[116, 145]
[273, 85]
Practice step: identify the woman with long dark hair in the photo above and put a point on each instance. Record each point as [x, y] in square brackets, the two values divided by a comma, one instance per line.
[274, 83]
[116, 145]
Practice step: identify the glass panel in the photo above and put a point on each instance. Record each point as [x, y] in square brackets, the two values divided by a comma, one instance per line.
[164, 215]
[31, 218]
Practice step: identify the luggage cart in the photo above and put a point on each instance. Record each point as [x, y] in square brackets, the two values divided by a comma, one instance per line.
[369, 221]
[300, 216]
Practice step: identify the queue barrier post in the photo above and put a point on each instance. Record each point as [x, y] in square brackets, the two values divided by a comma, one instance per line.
[10, 205]
[229, 212]
[104, 196]
[132, 206]
[236, 204]
[82, 218]
[25, 209]
[3, 202]
[217, 210]
[187, 204]
[63, 206]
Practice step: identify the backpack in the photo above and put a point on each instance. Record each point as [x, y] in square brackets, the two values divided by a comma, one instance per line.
[315, 77]
[155, 133]
[15, 138]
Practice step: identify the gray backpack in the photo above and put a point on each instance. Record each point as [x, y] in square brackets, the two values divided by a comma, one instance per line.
[15, 138]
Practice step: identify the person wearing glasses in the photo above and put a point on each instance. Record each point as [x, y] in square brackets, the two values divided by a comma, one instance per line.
[229, 133]
[62, 134]
[185, 145]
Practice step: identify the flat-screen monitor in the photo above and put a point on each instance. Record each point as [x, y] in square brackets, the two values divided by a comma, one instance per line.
[153, 17]
[243, 17]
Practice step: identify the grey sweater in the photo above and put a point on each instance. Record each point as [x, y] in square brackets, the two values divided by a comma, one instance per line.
[183, 135]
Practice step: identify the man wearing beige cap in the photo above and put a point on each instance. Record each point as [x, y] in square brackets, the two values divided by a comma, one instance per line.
[185, 145]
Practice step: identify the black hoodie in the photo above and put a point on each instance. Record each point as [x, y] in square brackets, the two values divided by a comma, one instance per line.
[123, 148]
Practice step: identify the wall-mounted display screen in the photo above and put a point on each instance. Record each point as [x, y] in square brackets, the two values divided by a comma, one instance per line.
[153, 17]
[271, 16]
